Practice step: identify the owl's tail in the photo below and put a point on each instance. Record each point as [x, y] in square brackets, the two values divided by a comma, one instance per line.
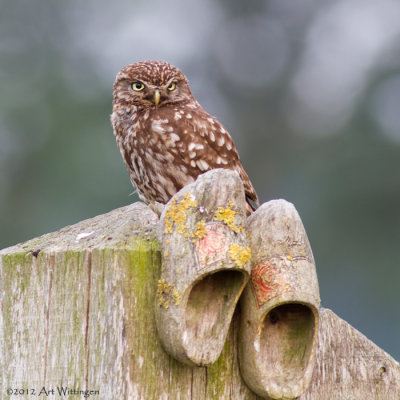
[251, 204]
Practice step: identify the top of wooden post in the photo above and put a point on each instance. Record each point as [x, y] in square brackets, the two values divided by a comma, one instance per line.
[118, 228]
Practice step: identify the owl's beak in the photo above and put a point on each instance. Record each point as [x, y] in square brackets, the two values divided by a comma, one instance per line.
[156, 97]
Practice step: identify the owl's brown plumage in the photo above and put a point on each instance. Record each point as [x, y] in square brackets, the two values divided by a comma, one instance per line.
[165, 137]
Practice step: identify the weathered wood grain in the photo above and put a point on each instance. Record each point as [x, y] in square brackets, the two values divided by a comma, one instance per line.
[349, 366]
[77, 310]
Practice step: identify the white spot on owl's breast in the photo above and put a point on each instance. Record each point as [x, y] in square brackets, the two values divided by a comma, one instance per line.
[177, 116]
[188, 116]
[174, 137]
[157, 127]
[212, 136]
[229, 145]
[221, 141]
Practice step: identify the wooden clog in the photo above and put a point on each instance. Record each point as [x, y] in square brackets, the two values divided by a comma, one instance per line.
[205, 266]
[280, 305]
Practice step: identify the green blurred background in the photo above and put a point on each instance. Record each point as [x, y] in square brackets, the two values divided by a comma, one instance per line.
[309, 90]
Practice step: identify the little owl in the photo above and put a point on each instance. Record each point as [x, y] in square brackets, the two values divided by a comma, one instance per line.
[165, 137]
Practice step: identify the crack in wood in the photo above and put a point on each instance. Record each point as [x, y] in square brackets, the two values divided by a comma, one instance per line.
[191, 386]
[206, 382]
[87, 346]
[51, 270]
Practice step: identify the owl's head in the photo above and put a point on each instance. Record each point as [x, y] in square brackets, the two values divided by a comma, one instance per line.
[151, 84]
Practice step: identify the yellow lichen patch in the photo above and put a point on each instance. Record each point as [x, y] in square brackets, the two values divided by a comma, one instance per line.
[163, 291]
[166, 292]
[227, 216]
[187, 201]
[240, 255]
[198, 233]
[176, 297]
[201, 230]
[176, 213]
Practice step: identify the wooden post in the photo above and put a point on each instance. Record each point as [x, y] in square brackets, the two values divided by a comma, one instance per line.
[77, 314]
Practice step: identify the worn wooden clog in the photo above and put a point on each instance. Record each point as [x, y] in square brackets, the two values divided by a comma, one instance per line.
[205, 266]
[280, 305]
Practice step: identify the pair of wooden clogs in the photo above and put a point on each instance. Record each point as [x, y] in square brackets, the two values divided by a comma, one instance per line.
[212, 255]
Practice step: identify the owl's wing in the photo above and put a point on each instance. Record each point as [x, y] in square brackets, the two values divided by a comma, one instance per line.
[204, 144]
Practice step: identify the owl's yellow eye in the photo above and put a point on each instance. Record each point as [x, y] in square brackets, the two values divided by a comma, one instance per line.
[172, 86]
[137, 86]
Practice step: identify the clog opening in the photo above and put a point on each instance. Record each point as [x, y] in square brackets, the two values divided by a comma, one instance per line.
[286, 342]
[209, 311]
